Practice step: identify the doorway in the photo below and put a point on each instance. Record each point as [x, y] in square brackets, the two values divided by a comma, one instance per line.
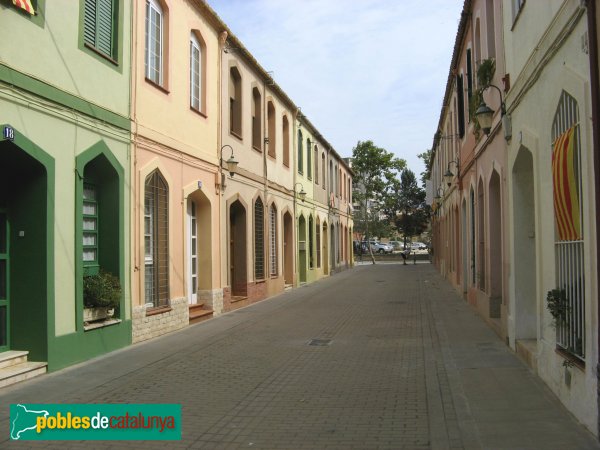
[237, 250]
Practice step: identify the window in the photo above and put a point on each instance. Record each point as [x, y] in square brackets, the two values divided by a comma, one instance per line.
[568, 214]
[196, 73]
[156, 240]
[316, 165]
[473, 269]
[235, 102]
[300, 155]
[154, 42]
[90, 229]
[259, 240]
[318, 230]
[469, 80]
[491, 28]
[311, 232]
[323, 168]
[256, 119]
[99, 26]
[271, 129]
[481, 234]
[286, 141]
[461, 105]
[308, 159]
[273, 239]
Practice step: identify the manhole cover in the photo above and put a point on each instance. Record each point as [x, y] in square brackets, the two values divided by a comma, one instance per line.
[319, 342]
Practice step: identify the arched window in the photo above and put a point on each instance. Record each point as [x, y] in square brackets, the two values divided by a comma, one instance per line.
[256, 119]
[273, 239]
[308, 159]
[286, 141]
[316, 165]
[481, 234]
[235, 102]
[569, 231]
[323, 170]
[318, 243]
[156, 240]
[300, 155]
[197, 73]
[259, 240]
[271, 129]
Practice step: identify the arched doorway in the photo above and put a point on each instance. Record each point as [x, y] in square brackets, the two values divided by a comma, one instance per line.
[302, 245]
[465, 258]
[288, 248]
[524, 250]
[199, 246]
[25, 218]
[495, 237]
[325, 247]
[332, 251]
[237, 250]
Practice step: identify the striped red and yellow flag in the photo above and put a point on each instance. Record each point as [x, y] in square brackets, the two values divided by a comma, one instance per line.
[24, 4]
[565, 187]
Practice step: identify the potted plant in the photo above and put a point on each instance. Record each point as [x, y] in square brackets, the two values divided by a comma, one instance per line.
[101, 293]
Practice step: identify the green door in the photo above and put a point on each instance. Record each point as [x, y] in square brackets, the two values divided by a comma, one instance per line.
[4, 283]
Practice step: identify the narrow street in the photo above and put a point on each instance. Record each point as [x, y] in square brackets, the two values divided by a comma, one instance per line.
[383, 356]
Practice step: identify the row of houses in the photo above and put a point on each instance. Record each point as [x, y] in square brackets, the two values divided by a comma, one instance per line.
[144, 140]
[514, 185]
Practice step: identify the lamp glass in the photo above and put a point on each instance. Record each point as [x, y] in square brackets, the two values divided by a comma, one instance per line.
[231, 165]
[302, 194]
[484, 115]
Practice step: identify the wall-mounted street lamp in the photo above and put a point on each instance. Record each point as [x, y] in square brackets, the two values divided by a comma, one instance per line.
[439, 194]
[485, 114]
[449, 175]
[301, 193]
[231, 163]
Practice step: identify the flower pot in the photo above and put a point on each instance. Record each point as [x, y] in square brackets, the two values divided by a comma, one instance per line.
[95, 313]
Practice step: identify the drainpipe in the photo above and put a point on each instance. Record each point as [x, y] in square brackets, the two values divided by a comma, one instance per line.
[595, 91]
[223, 277]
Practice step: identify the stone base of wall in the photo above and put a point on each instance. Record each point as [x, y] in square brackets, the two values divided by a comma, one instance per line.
[257, 291]
[212, 299]
[146, 327]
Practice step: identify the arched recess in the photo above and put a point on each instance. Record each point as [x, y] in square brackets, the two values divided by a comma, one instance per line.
[495, 244]
[238, 272]
[199, 238]
[524, 249]
[464, 248]
[332, 251]
[302, 246]
[325, 246]
[99, 218]
[27, 296]
[481, 268]
[288, 248]
[311, 242]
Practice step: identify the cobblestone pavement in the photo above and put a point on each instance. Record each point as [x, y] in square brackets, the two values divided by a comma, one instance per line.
[400, 362]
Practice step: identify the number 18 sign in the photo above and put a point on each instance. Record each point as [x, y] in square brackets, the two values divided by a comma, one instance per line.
[9, 133]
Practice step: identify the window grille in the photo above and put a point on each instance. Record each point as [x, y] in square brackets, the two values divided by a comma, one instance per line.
[156, 240]
[259, 240]
[90, 226]
[195, 69]
[273, 240]
[570, 275]
[154, 44]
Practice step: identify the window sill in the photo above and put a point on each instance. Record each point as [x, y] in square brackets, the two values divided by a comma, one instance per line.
[254, 147]
[234, 134]
[260, 281]
[569, 357]
[104, 323]
[157, 86]
[99, 53]
[197, 111]
[158, 310]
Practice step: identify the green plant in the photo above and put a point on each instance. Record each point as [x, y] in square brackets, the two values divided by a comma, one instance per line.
[485, 72]
[101, 290]
[474, 103]
[557, 304]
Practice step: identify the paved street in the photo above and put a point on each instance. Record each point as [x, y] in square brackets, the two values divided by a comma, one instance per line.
[402, 363]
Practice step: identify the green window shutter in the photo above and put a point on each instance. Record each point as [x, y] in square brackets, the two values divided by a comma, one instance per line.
[89, 22]
[104, 29]
[98, 27]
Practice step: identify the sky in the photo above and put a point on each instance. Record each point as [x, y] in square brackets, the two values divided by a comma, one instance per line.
[358, 69]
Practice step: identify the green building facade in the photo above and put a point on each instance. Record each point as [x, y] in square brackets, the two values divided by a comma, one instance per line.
[64, 175]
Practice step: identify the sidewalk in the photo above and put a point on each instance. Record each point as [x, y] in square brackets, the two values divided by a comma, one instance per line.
[402, 362]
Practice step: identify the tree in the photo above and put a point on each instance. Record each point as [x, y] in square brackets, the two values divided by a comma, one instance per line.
[374, 169]
[426, 174]
[406, 205]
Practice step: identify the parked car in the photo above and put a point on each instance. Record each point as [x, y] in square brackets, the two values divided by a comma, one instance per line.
[396, 245]
[417, 246]
[379, 247]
